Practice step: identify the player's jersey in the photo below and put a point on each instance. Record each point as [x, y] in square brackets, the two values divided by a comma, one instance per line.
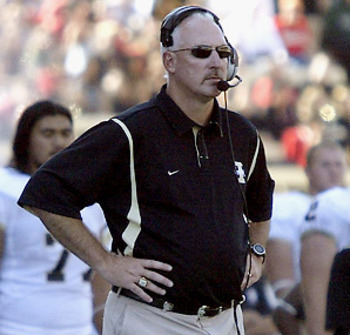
[44, 290]
[330, 214]
[289, 210]
[12, 181]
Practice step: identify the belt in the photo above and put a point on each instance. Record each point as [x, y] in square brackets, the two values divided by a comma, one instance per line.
[205, 310]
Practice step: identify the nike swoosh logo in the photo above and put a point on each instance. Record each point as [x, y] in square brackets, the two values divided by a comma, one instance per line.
[170, 173]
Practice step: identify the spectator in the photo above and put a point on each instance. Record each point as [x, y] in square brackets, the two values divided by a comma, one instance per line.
[336, 33]
[295, 30]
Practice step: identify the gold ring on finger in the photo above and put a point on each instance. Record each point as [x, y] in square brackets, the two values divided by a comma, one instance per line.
[143, 282]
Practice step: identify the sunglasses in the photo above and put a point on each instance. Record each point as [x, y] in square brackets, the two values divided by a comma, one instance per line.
[204, 51]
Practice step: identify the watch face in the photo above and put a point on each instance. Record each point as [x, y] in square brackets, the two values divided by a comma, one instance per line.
[259, 249]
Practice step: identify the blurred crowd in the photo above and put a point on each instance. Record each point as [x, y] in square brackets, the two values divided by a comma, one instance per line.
[102, 56]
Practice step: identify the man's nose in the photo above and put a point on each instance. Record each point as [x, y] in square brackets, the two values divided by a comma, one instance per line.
[60, 141]
[215, 58]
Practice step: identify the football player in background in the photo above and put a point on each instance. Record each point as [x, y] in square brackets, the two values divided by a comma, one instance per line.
[44, 289]
[326, 168]
[325, 232]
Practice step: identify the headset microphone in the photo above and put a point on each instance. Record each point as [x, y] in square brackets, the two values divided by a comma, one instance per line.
[223, 85]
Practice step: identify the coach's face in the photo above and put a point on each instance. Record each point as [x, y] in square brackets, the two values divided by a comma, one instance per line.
[195, 76]
[327, 169]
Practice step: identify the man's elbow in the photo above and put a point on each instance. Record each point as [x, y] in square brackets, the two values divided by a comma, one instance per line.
[33, 210]
[40, 213]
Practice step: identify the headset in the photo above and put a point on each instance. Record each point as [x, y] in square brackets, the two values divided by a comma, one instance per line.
[175, 17]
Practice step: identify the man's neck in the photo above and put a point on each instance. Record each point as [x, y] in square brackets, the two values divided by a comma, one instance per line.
[197, 110]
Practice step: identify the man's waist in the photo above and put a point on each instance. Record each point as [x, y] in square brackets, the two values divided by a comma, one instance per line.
[188, 309]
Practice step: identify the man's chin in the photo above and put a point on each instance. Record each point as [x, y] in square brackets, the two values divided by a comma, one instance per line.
[213, 92]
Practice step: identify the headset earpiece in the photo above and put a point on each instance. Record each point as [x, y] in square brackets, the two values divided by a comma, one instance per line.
[166, 37]
[233, 64]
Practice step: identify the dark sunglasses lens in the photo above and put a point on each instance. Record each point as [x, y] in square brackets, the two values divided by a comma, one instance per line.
[201, 52]
[224, 52]
[205, 52]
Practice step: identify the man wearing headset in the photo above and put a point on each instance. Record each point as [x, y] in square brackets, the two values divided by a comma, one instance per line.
[177, 178]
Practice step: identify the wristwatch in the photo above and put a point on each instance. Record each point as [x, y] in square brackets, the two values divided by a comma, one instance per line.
[258, 250]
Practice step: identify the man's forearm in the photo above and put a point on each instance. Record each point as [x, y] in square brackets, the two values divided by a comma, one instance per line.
[116, 269]
[317, 254]
[280, 266]
[259, 232]
[74, 236]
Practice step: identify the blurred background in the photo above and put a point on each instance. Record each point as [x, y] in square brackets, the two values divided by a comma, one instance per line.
[100, 57]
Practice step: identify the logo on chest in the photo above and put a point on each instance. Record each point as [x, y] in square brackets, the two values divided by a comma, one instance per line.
[240, 172]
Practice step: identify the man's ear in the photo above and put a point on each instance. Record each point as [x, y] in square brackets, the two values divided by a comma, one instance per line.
[169, 61]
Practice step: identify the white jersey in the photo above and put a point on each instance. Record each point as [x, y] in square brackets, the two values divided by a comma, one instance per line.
[289, 210]
[44, 290]
[330, 214]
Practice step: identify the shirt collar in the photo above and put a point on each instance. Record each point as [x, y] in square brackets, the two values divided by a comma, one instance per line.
[179, 120]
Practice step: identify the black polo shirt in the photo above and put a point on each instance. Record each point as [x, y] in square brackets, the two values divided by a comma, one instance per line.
[188, 196]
